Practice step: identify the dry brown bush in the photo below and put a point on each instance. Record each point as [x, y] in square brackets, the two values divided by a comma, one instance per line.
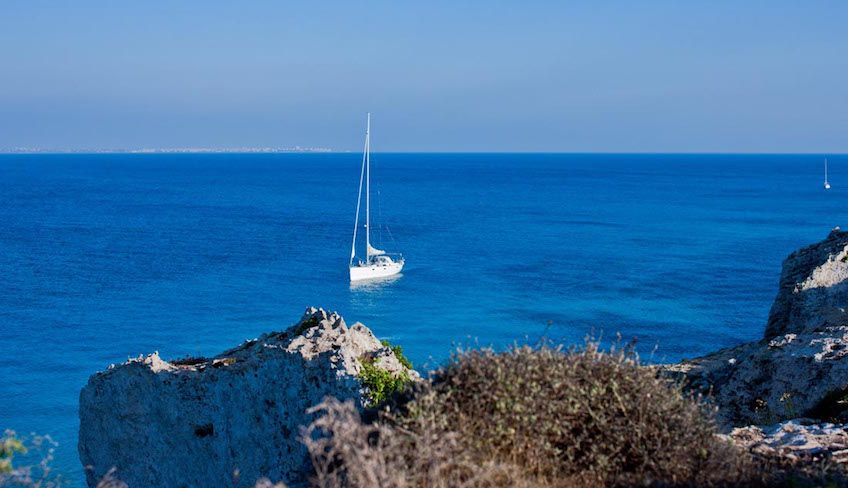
[537, 417]
[347, 452]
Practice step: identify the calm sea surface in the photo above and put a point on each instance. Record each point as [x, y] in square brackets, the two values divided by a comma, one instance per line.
[103, 257]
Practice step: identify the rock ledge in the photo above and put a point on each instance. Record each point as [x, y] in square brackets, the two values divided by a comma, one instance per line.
[198, 421]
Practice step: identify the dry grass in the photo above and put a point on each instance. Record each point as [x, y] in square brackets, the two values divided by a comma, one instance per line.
[346, 452]
[538, 417]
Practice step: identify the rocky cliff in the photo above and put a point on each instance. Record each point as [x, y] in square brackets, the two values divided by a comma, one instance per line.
[813, 290]
[212, 422]
[800, 367]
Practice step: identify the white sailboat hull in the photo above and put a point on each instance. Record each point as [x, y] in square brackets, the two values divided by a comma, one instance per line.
[377, 263]
[371, 271]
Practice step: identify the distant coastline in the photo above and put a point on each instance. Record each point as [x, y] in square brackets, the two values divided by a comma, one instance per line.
[173, 150]
[299, 149]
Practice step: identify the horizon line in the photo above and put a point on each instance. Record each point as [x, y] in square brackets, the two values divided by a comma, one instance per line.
[267, 151]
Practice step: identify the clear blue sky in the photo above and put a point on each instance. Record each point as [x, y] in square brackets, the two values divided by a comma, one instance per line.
[752, 76]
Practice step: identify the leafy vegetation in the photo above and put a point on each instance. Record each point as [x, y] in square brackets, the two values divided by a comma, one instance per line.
[306, 325]
[398, 351]
[35, 455]
[381, 384]
[9, 446]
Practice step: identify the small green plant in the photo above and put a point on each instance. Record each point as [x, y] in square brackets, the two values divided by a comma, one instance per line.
[398, 353]
[763, 411]
[32, 469]
[306, 325]
[190, 361]
[789, 407]
[379, 383]
[9, 446]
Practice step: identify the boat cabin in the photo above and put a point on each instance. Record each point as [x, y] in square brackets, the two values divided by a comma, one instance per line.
[381, 260]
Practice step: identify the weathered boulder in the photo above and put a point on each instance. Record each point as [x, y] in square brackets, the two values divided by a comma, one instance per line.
[800, 367]
[210, 422]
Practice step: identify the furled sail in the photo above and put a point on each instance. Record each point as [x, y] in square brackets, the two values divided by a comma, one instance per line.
[372, 251]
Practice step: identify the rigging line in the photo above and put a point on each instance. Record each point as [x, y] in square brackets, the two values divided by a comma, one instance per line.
[389, 230]
[383, 222]
[380, 213]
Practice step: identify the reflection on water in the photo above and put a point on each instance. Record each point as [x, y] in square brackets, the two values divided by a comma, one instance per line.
[374, 284]
[370, 296]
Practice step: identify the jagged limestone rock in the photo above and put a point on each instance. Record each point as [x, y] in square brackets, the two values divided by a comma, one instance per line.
[198, 422]
[813, 290]
[795, 440]
[799, 369]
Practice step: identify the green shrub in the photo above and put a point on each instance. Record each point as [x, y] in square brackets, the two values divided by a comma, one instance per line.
[380, 384]
[398, 351]
[9, 446]
[32, 467]
[306, 325]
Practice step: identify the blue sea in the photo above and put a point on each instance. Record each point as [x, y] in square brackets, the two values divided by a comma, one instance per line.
[105, 257]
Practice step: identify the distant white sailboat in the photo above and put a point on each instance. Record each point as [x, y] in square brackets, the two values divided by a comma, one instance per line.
[826, 183]
[377, 264]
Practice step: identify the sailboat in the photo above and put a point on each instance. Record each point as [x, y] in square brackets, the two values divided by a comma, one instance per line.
[826, 183]
[377, 263]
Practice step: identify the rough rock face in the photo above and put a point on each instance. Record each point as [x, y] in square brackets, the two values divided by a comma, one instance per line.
[800, 368]
[196, 422]
[813, 289]
[796, 440]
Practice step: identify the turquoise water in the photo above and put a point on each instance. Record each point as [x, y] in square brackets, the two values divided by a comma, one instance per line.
[103, 257]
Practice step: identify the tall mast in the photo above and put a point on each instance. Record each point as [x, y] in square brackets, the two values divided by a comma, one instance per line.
[825, 170]
[358, 200]
[368, 189]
